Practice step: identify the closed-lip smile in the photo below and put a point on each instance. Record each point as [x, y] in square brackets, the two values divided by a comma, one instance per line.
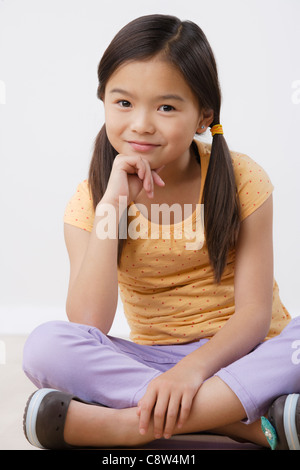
[142, 146]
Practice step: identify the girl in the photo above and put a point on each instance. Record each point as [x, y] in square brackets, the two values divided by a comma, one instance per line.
[212, 345]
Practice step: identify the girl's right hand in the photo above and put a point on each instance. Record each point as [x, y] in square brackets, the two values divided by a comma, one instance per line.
[129, 175]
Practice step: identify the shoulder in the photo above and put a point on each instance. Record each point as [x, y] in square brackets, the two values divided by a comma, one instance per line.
[79, 210]
[253, 183]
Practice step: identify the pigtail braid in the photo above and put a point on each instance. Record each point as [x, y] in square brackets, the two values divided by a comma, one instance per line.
[221, 206]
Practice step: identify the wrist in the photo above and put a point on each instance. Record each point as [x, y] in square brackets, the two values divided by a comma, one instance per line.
[198, 362]
[193, 362]
[109, 220]
[118, 203]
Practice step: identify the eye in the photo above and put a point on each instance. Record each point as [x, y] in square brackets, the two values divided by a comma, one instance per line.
[124, 103]
[166, 108]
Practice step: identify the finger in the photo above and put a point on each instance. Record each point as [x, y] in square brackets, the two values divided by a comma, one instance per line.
[160, 411]
[148, 180]
[146, 406]
[140, 168]
[157, 179]
[128, 164]
[133, 165]
[186, 405]
[172, 415]
[143, 171]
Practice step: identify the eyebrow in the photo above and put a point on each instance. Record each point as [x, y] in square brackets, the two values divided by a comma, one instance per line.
[170, 96]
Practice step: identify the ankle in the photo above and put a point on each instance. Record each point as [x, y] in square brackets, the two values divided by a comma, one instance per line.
[128, 429]
[89, 425]
[93, 426]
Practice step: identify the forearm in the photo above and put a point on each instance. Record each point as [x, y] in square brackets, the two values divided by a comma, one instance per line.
[242, 332]
[93, 293]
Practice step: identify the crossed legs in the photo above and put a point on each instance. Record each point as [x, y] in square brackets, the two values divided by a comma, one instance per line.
[215, 408]
[86, 363]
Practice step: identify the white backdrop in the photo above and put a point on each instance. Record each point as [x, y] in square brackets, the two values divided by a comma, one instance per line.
[49, 117]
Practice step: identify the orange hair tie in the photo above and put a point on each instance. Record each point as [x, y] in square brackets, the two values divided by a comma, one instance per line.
[216, 129]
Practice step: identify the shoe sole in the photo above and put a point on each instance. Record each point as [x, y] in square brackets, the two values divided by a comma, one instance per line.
[31, 413]
[289, 421]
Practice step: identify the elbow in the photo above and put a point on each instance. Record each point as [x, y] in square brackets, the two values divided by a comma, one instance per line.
[91, 317]
[263, 323]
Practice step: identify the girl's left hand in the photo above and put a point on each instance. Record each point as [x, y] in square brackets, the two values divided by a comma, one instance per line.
[169, 396]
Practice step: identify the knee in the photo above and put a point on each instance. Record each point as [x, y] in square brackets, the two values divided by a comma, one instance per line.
[41, 346]
[38, 343]
[53, 348]
[52, 345]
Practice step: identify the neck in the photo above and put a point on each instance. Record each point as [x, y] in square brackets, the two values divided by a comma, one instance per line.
[180, 170]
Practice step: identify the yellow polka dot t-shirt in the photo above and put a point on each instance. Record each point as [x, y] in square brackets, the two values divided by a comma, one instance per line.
[165, 278]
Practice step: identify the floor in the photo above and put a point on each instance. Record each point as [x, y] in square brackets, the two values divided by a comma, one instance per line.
[14, 391]
[15, 388]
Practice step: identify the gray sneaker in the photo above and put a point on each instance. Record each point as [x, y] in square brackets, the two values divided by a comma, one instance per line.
[44, 418]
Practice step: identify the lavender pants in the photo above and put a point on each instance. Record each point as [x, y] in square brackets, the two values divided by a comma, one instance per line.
[81, 360]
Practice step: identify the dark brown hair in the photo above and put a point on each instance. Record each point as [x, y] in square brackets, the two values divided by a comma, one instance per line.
[185, 45]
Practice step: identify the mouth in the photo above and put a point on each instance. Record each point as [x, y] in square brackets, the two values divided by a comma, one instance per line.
[142, 146]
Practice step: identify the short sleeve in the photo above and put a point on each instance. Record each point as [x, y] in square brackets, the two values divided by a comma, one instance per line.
[253, 183]
[79, 211]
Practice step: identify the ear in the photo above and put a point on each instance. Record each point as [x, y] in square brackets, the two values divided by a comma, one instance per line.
[206, 118]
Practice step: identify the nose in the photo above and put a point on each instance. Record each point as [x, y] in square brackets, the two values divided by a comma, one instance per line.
[142, 122]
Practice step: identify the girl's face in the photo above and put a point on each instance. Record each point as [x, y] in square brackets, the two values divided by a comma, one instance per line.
[151, 111]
